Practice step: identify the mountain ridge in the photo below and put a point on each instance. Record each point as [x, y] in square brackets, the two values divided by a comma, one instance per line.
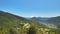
[52, 21]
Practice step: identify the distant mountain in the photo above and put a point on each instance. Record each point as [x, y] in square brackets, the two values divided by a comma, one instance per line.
[50, 22]
[39, 19]
[55, 20]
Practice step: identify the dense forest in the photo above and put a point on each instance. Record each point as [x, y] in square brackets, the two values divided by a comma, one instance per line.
[13, 24]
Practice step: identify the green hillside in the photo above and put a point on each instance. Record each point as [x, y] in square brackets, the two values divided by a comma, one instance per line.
[12, 24]
[9, 21]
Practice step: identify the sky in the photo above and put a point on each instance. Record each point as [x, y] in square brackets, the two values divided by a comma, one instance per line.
[30, 8]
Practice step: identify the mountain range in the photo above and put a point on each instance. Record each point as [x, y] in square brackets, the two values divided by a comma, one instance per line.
[13, 24]
[53, 22]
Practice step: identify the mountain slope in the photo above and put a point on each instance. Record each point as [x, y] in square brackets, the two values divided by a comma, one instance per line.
[52, 22]
[7, 19]
[55, 20]
[12, 24]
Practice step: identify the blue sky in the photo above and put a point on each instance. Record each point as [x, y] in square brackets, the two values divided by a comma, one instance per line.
[28, 8]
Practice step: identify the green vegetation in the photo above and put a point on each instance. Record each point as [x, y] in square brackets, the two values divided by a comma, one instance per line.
[12, 24]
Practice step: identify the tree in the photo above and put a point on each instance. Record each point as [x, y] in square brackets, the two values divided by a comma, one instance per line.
[32, 30]
[13, 31]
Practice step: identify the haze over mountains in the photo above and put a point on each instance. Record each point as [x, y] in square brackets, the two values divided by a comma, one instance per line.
[53, 22]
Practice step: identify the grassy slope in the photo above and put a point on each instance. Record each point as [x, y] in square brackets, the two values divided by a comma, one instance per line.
[9, 21]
